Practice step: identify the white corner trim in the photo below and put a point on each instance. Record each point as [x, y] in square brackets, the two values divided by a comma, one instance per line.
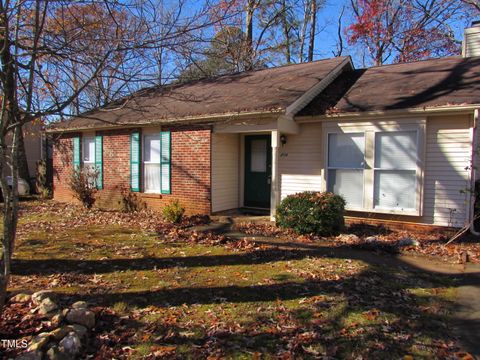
[311, 93]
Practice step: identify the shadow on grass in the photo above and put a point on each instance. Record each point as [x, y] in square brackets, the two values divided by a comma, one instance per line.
[375, 288]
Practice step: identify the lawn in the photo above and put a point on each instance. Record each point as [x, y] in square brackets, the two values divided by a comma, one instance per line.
[180, 294]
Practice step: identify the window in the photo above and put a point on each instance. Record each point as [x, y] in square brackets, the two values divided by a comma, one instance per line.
[395, 171]
[346, 163]
[89, 159]
[151, 163]
[150, 167]
[258, 161]
[89, 151]
[376, 166]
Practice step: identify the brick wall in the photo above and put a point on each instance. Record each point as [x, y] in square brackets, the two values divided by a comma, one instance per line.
[62, 167]
[191, 183]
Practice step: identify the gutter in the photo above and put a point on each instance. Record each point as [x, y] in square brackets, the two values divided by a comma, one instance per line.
[184, 120]
[473, 173]
[367, 115]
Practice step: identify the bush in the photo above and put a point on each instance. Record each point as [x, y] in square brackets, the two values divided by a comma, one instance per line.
[82, 184]
[173, 212]
[320, 213]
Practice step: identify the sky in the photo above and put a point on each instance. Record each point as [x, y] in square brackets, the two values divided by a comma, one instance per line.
[328, 23]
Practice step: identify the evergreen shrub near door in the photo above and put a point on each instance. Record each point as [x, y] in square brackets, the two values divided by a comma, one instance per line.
[309, 212]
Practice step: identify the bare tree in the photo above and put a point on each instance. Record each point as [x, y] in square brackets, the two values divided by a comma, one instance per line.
[313, 23]
[340, 43]
[55, 57]
[475, 4]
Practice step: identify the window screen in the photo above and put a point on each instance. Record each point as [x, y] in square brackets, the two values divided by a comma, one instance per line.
[395, 170]
[89, 149]
[346, 159]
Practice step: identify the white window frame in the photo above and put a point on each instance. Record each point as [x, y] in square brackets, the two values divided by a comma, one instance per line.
[328, 167]
[370, 128]
[148, 133]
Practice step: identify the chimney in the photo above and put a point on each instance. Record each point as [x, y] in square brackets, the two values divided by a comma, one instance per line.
[471, 40]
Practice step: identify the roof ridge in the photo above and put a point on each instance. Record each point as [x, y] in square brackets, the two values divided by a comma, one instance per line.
[413, 62]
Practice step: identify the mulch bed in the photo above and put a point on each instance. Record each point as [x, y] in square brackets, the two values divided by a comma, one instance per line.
[431, 244]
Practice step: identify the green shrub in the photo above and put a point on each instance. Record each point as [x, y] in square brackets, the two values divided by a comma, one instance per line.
[173, 212]
[320, 213]
[82, 183]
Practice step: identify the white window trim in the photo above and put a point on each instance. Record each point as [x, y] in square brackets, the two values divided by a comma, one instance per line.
[148, 132]
[370, 129]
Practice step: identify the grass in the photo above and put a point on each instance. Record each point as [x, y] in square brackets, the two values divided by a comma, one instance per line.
[183, 300]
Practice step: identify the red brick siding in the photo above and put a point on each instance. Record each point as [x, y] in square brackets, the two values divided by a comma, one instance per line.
[190, 181]
[62, 167]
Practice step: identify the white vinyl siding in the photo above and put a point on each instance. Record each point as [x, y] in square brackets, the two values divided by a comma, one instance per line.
[225, 171]
[448, 159]
[301, 161]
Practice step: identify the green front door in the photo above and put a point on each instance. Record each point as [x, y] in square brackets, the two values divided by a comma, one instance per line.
[258, 171]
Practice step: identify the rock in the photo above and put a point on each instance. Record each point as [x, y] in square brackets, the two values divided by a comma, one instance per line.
[46, 306]
[39, 341]
[57, 319]
[407, 242]
[41, 295]
[348, 238]
[54, 353]
[21, 298]
[79, 305]
[30, 355]
[80, 330]
[61, 332]
[81, 317]
[71, 344]
[371, 239]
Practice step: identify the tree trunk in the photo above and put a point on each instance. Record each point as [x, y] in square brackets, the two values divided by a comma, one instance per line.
[22, 160]
[249, 34]
[286, 33]
[303, 33]
[10, 123]
[313, 26]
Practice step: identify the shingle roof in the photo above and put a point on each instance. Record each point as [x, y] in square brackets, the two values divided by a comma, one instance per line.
[268, 90]
[428, 83]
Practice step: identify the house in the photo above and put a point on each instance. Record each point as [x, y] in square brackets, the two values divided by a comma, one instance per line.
[35, 150]
[397, 141]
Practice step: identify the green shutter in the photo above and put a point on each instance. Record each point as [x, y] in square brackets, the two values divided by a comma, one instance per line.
[135, 162]
[76, 152]
[165, 168]
[98, 160]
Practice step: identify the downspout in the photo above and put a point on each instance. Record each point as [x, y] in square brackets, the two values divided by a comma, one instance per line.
[473, 173]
